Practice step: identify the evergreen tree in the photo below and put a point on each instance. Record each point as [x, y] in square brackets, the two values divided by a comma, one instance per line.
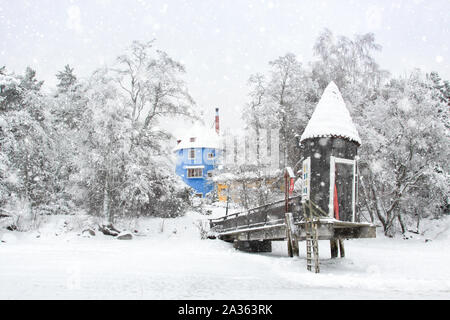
[67, 79]
[70, 101]
[27, 150]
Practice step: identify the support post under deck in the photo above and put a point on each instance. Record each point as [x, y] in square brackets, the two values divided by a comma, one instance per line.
[334, 248]
[341, 248]
[337, 246]
[291, 235]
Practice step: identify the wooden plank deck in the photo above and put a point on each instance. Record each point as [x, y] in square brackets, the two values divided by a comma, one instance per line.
[269, 223]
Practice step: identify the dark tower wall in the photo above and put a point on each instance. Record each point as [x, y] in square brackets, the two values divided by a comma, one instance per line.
[320, 150]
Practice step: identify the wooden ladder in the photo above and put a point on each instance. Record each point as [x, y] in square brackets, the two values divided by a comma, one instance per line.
[312, 237]
[312, 246]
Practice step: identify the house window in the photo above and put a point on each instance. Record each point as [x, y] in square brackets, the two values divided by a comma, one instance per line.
[195, 173]
[210, 174]
[192, 140]
[191, 154]
[210, 156]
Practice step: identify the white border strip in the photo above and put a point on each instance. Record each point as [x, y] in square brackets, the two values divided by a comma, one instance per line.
[333, 161]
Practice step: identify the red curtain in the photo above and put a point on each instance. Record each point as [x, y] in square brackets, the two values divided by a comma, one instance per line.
[336, 203]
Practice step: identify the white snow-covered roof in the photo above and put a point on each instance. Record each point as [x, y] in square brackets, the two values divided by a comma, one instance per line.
[331, 118]
[249, 175]
[199, 137]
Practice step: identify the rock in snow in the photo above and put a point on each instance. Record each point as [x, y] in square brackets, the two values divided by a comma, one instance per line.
[125, 236]
[109, 230]
[88, 231]
[331, 118]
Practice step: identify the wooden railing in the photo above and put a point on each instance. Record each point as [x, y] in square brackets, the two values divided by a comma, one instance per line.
[269, 214]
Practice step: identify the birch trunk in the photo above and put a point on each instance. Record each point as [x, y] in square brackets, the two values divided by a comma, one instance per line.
[106, 210]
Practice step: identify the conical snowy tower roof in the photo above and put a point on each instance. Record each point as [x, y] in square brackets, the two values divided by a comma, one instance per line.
[331, 118]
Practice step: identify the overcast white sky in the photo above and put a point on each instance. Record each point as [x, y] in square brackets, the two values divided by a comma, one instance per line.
[221, 43]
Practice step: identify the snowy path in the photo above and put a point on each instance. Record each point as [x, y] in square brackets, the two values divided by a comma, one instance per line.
[183, 267]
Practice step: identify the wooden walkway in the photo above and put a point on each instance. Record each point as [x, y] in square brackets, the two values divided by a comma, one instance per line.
[269, 223]
[253, 230]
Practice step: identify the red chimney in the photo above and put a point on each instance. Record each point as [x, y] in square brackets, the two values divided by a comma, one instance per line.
[217, 120]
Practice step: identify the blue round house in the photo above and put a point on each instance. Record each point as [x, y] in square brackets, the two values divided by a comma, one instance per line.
[197, 156]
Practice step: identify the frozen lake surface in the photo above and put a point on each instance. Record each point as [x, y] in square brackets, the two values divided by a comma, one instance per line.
[169, 265]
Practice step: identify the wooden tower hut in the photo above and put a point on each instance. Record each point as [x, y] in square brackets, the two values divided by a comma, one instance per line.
[330, 146]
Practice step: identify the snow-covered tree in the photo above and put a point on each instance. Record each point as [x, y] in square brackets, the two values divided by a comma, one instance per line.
[284, 99]
[102, 143]
[404, 155]
[126, 166]
[347, 62]
[153, 82]
[69, 102]
[68, 109]
[442, 88]
[67, 79]
[27, 147]
[255, 113]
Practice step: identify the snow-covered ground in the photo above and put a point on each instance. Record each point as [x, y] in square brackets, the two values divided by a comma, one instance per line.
[170, 261]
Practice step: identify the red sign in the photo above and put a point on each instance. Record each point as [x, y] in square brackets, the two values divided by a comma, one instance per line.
[291, 186]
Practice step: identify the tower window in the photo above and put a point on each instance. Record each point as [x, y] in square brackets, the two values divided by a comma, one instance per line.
[191, 154]
[195, 173]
